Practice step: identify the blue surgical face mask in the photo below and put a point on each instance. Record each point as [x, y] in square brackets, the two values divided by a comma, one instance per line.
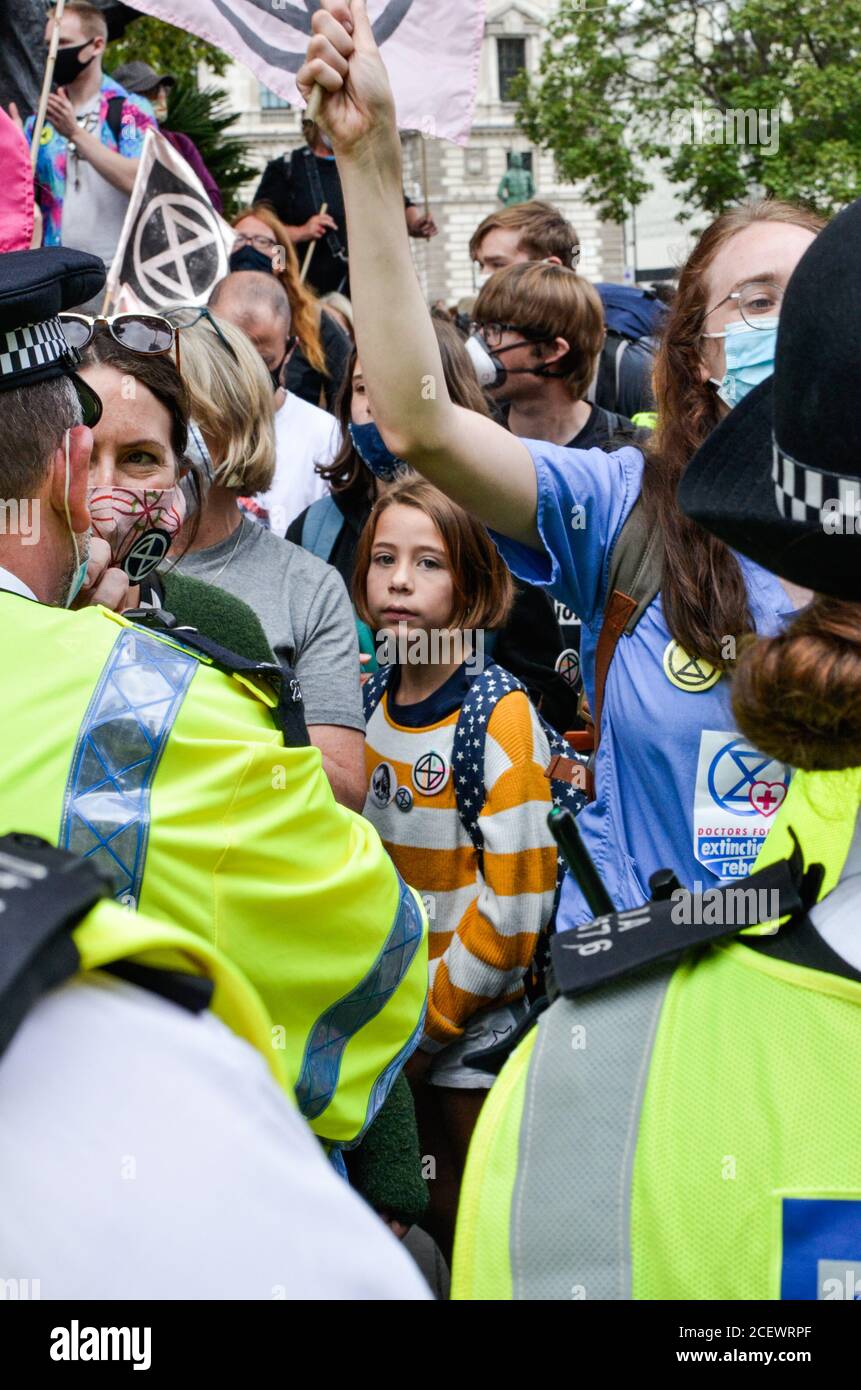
[749, 356]
[81, 562]
[375, 453]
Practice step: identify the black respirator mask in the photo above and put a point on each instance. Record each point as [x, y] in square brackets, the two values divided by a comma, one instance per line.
[491, 372]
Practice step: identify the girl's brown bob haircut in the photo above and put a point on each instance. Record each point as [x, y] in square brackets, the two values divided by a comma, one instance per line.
[483, 587]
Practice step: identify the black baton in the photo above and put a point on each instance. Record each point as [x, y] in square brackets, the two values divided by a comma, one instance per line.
[564, 829]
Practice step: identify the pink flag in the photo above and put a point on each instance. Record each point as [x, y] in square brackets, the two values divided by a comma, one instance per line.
[16, 188]
[431, 49]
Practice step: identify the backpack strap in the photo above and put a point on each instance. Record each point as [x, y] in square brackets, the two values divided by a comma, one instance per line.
[289, 713]
[617, 366]
[633, 582]
[116, 106]
[489, 687]
[322, 527]
[374, 689]
[337, 250]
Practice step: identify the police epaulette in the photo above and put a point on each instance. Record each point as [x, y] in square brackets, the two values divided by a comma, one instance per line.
[290, 711]
[614, 945]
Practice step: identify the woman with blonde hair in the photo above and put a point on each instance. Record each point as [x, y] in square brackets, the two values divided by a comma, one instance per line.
[301, 603]
[319, 363]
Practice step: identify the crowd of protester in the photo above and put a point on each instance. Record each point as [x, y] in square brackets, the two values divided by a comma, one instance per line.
[376, 634]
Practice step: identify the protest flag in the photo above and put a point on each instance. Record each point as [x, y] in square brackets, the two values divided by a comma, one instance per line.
[174, 247]
[431, 49]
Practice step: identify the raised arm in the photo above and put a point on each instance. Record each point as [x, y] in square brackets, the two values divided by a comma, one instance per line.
[475, 461]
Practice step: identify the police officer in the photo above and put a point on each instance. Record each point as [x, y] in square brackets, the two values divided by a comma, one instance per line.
[182, 772]
[187, 1172]
[685, 1125]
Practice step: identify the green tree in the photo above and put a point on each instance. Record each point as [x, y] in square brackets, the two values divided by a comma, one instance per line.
[166, 49]
[201, 113]
[733, 100]
[204, 115]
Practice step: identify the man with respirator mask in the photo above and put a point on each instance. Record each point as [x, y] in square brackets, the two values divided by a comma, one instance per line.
[180, 771]
[537, 336]
[91, 143]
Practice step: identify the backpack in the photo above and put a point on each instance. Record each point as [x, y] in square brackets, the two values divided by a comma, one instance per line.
[633, 316]
[321, 527]
[566, 771]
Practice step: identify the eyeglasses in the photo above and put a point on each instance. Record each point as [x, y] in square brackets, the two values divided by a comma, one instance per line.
[492, 333]
[187, 315]
[756, 301]
[147, 334]
[265, 244]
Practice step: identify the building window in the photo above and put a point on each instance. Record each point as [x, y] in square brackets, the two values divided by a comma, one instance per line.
[511, 60]
[270, 102]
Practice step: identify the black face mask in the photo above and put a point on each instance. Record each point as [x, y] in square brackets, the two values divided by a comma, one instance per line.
[247, 258]
[69, 65]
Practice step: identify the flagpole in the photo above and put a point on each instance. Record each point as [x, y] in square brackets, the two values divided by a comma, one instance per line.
[315, 101]
[46, 85]
[424, 140]
[306, 265]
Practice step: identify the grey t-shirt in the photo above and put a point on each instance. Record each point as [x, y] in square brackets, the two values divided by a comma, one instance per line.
[305, 611]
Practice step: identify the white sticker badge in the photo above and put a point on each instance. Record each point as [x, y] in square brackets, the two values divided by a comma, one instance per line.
[738, 792]
[384, 784]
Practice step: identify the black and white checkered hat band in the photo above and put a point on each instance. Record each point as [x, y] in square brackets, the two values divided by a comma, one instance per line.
[24, 350]
[810, 494]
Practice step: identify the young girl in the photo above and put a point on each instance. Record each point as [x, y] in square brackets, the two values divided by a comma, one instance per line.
[429, 581]
[530, 644]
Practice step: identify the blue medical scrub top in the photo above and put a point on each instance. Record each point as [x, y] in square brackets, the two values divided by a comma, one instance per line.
[677, 785]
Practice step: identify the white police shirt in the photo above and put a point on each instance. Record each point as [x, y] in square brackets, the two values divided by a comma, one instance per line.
[146, 1153]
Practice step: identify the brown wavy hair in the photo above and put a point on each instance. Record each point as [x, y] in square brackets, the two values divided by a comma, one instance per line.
[346, 474]
[703, 591]
[305, 308]
[797, 696]
[482, 583]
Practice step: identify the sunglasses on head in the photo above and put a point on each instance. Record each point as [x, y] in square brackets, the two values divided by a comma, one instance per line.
[187, 315]
[151, 335]
[146, 335]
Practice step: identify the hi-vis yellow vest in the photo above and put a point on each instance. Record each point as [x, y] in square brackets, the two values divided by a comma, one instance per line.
[121, 745]
[109, 934]
[691, 1131]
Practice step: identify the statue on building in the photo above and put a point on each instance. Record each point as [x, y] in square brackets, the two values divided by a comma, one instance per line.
[516, 185]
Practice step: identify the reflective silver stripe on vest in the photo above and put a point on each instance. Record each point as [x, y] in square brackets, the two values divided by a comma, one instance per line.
[571, 1209]
[106, 811]
[335, 1029]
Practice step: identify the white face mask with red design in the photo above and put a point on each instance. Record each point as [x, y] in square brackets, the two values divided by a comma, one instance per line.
[139, 524]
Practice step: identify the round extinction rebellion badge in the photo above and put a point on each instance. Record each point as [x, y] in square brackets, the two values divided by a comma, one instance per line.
[691, 673]
[430, 774]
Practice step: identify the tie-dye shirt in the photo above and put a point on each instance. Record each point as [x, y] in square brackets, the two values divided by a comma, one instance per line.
[137, 119]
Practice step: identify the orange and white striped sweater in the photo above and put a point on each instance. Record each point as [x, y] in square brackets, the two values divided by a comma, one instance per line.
[483, 928]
